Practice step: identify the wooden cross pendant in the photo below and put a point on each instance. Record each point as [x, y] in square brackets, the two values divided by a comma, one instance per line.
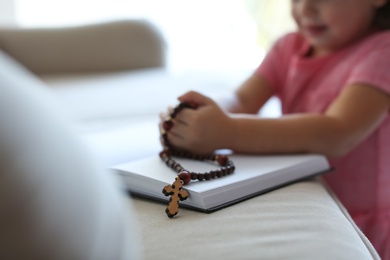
[177, 194]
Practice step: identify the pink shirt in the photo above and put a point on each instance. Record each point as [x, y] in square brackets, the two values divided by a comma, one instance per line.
[362, 177]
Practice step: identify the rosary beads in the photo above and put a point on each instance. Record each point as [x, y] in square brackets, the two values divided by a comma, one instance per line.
[184, 176]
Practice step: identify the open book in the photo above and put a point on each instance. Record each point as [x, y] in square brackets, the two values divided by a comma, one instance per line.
[254, 175]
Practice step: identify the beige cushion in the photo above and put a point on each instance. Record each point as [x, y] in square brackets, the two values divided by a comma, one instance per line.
[117, 45]
[56, 201]
[300, 221]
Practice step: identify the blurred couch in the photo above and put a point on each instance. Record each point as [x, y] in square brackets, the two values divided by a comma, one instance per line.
[111, 81]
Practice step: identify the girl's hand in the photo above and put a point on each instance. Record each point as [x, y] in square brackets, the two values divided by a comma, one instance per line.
[163, 116]
[201, 130]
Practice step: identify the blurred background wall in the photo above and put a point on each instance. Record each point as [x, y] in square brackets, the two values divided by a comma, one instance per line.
[201, 34]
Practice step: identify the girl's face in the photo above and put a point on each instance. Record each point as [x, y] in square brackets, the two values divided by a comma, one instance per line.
[331, 24]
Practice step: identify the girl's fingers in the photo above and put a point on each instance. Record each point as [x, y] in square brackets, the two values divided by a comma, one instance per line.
[170, 110]
[175, 139]
[165, 115]
[162, 116]
[195, 97]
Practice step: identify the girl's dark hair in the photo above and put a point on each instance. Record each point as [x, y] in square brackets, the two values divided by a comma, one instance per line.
[382, 17]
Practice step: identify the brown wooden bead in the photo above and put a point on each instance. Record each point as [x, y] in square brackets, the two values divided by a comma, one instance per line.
[177, 167]
[224, 171]
[222, 160]
[194, 175]
[170, 162]
[163, 154]
[167, 125]
[185, 176]
[165, 137]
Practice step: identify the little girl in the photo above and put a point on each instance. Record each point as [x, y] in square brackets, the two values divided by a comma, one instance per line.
[333, 80]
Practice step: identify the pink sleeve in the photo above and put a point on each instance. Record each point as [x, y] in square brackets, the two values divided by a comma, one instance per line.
[373, 69]
[275, 65]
